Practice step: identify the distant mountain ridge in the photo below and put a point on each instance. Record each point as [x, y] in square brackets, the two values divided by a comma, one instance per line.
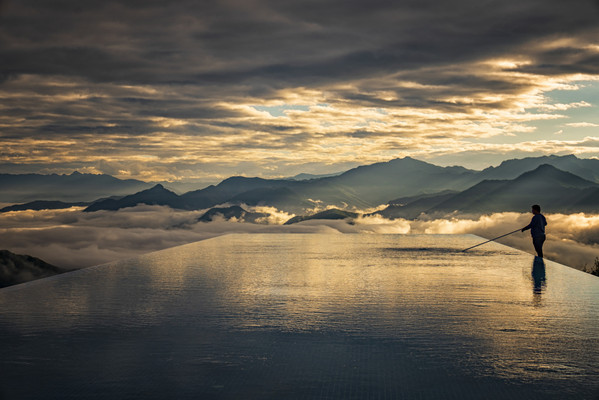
[304, 176]
[42, 205]
[76, 187]
[423, 185]
[157, 195]
[361, 187]
[510, 169]
[331, 214]
[232, 212]
[556, 190]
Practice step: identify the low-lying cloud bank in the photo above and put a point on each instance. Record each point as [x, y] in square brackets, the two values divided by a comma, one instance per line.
[74, 239]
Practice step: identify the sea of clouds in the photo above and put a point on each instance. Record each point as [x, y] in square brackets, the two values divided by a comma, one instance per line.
[71, 238]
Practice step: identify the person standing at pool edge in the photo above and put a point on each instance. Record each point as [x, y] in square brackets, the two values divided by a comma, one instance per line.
[537, 229]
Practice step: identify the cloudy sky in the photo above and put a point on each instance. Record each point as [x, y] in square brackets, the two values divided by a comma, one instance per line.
[161, 90]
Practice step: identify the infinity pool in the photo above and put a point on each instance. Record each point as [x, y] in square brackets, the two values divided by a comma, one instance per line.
[307, 316]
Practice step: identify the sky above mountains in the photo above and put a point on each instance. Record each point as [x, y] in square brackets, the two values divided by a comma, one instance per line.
[169, 90]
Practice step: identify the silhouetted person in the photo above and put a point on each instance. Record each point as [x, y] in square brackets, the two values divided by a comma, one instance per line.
[537, 229]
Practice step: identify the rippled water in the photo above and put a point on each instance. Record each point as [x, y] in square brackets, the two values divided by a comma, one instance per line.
[307, 316]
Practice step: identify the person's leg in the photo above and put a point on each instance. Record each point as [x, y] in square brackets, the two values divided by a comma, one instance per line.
[538, 244]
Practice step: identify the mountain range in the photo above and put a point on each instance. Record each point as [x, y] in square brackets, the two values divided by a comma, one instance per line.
[556, 190]
[237, 212]
[43, 205]
[16, 268]
[409, 186]
[75, 187]
[332, 213]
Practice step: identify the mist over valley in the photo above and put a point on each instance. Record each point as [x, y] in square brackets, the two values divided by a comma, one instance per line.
[404, 196]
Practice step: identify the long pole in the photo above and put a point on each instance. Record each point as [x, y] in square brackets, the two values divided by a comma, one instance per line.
[517, 230]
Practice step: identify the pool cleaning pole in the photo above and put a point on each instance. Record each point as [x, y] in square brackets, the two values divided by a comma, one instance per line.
[491, 240]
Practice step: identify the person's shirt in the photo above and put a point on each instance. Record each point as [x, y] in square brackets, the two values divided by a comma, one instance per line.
[537, 225]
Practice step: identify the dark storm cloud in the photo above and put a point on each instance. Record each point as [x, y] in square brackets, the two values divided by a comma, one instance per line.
[296, 42]
[565, 61]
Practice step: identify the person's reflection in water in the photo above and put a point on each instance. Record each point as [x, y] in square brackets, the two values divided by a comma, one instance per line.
[538, 279]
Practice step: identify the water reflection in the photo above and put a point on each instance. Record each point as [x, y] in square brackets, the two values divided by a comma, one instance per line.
[539, 282]
[538, 276]
[375, 313]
